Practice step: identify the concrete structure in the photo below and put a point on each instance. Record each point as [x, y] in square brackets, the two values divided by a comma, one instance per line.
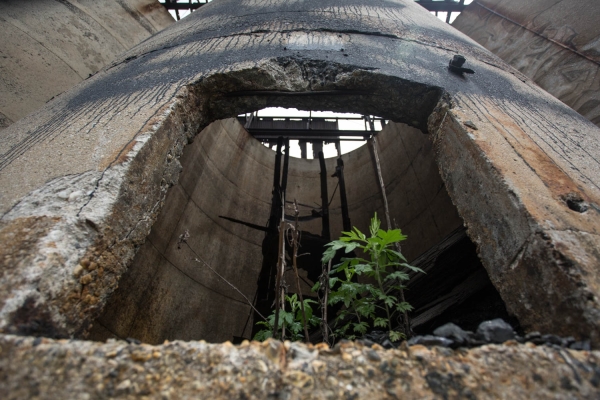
[554, 42]
[165, 294]
[85, 178]
[49, 46]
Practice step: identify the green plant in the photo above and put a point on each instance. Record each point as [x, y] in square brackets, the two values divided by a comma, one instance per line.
[290, 321]
[368, 304]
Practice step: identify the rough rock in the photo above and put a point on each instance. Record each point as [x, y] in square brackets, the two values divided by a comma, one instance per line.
[50, 369]
[495, 331]
[431, 340]
[452, 332]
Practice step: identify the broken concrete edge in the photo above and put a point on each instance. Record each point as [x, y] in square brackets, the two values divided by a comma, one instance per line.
[100, 218]
[515, 249]
[87, 229]
[116, 369]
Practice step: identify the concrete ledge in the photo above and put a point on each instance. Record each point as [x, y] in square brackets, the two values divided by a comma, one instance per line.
[46, 369]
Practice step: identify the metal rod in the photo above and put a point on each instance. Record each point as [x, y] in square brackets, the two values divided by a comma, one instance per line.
[286, 162]
[275, 132]
[313, 138]
[267, 117]
[344, 200]
[324, 198]
[281, 93]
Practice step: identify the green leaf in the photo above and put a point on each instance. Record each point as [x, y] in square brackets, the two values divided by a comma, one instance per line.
[332, 281]
[413, 268]
[366, 309]
[381, 322]
[391, 236]
[351, 246]
[397, 275]
[361, 327]
[363, 268]
[390, 301]
[328, 255]
[396, 336]
[287, 317]
[404, 306]
[399, 255]
[375, 224]
[263, 335]
[316, 287]
[361, 236]
[334, 298]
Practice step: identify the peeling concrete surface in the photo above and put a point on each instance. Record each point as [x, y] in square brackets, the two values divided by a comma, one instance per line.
[508, 177]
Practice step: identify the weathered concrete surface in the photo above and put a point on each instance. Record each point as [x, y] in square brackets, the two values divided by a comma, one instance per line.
[554, 42]
[49, 46]
[166, 295]
[84, 178]
[48, 369]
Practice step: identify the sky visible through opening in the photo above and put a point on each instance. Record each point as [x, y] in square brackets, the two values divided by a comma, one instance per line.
[441, 15]
[329, 149]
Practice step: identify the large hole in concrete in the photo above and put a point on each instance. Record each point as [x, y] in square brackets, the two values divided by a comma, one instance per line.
[165, 294]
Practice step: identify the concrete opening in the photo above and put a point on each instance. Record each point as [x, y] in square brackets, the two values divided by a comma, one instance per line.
[166, 294]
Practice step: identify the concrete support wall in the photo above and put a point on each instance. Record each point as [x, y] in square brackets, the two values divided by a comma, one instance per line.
[48, 46]
[554, 42]
[165, 294]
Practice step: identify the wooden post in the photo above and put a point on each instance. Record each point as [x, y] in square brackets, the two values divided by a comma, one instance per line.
[296, 241]
[389, 224]
[279, 301]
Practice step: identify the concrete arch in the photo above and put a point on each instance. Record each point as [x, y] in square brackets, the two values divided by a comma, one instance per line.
[520, 167]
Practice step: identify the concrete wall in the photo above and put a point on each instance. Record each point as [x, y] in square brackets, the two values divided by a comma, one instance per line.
[48, 46]
[554, 42]
[167, 295]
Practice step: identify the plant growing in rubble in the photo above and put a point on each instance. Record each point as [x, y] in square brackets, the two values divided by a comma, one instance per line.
[366, 302]
[292, 322]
